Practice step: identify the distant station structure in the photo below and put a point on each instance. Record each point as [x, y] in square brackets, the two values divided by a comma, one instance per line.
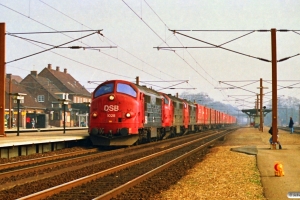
[254, 115]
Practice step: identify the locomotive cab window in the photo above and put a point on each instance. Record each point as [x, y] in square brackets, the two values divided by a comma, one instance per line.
[181, 105]
[166, 101]
[126, 89]
[158, 101]
[104, 89]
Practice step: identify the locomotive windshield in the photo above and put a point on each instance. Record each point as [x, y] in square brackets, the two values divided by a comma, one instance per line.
[104, 89]
[166, 100]
[126, 89]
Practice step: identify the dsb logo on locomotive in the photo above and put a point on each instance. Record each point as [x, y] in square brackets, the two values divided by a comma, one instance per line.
[111, 108]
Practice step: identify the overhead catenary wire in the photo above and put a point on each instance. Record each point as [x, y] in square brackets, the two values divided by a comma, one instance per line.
[58, 32]
[182, 45]
[150, 28]
[72, 38]
[63, 14]
[290, 86]
[186, 50]
[84, 64]
[141, 60]
[163, 40]
[103, 36]
[138, 65]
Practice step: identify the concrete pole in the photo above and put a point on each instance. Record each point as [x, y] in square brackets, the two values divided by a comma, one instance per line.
[299, 116]
[2, 78]
[261, 101]
[10, 103]
[256, 106]
[18, 121]
[64, 105]
[274, 84]
[287, 119]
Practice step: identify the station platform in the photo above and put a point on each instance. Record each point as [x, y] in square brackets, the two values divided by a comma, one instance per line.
[32, 141]
[250, 140]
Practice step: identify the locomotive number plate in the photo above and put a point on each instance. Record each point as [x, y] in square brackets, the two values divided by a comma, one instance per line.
[111, 115]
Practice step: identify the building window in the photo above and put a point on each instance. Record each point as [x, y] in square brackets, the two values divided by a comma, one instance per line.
[56, 116]
[41, 98]
[21, 101]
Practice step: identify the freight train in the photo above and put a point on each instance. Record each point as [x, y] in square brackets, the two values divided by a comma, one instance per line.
[123, 114]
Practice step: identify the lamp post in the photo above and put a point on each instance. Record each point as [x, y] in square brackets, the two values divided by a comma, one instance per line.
[64, 103]
[88, 104]
[18, 97]
[261, 127]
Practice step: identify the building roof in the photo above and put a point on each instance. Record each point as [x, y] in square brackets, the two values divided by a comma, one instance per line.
[16, 78]
[29, 101]
[47, 85]
[68, 81]
[256, 112]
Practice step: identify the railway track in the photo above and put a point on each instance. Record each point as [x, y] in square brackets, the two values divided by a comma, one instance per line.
[108, 174]
[29, 162]
[296, 129]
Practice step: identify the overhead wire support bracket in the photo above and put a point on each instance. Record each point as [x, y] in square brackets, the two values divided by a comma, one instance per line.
[49, 32]
[54, 47]
[224, 30]
[218, 46]
[283, 30]
[81, 47]
[263, 59]
[263, 30]
[283, 59]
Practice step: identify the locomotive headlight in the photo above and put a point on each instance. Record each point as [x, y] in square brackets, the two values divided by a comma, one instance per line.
[129, 114]
[95, 114]
[111, 97]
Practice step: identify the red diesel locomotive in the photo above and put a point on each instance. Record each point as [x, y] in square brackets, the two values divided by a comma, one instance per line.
[123, 113]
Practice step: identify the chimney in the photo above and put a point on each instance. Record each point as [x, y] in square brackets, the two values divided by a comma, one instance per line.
[65, 70]
[9, 76]
[57, 68]
[49, 66]
[33, 73]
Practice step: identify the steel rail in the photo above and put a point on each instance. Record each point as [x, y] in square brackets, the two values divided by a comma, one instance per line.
[287, 129]
[113, 193]
[55, 164]
[80, 181]
[44, 166]
[44, 159]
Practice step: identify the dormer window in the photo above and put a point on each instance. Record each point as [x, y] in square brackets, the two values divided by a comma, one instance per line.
[41, 98]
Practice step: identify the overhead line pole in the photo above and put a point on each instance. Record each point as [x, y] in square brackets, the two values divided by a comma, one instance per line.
[274, 84]
[256, 106]
[261, 102]
[2, 78]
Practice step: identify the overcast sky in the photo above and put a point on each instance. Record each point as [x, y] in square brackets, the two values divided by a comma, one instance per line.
[134, 28]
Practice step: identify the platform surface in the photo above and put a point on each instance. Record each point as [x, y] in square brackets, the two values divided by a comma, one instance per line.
[27, 138]
[252, 141]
